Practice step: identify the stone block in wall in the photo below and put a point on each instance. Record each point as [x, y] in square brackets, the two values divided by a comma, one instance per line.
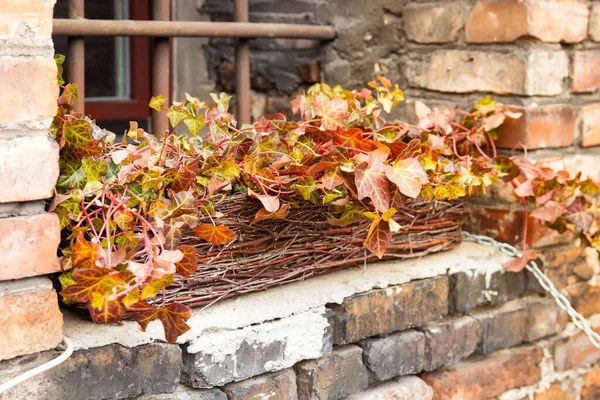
[553, 393]
[433, 22]
[551, 21]
[585, 74]
[449, 341]
[277, 385]
[26, 22]
[187, 393]
[533, 72]
[590, 134]
[545, 318]
[489, 377]
[332, 377]
[405, 388]
[473, 288]
[398, 354]
[28, 246]
[30, 320]
[387, 310]
[595, 22]
[502, 327]
[575, 351]
[28, 167]
[220, 357]
[505, 224]
[540, 127]
[29, 89]
[109, 372]
[591, 386]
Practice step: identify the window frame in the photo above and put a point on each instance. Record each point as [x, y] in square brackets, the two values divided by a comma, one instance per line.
[136, 106]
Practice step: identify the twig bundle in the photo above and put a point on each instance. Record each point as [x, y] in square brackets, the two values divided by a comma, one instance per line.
[303, 245]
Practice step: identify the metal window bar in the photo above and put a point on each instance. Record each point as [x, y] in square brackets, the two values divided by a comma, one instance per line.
[162, 28]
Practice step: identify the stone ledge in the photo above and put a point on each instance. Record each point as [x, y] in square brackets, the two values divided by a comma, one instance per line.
[292, 299]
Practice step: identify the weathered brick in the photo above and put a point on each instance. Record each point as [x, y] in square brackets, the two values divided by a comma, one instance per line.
[507, 20]
[334, 376]
[540, 127]
[28, 168]
[220, 357]
[575, 351]
[28, 246]
[26, 22]
[395, 355]
[553, 393]
[29, 89]
[486, 378]
[535, 72]
[506, 225]
[544, 319]
[277, 386]
[591, 386]
[501, 327]
[471, 289]
[586, 71]
[109, 372]
[30, 320]
[405, 388]
[433, 22]
[590, 135]
[588, 303]
[388, 310]
[186, 393]
[449, 341]
[583, 271]
[595, 22]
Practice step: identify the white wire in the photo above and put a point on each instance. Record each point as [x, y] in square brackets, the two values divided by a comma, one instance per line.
[578, 319]
[41, 368]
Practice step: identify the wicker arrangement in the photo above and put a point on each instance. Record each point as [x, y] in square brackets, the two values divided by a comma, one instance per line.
[304, 245]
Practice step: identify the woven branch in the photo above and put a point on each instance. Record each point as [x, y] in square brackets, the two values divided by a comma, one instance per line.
[304, 245]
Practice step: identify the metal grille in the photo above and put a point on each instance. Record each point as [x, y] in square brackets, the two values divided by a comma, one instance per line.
[162, 28]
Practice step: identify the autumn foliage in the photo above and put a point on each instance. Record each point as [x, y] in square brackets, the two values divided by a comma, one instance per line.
[125, 205]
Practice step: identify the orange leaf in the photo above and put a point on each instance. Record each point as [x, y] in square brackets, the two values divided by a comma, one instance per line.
[263, 214]
[89, 281]
[172, 316]
[379, 238]
[189, 262]
[218, 235]
[517, 264]
[110, 311]
[85, 253]
[371, 182]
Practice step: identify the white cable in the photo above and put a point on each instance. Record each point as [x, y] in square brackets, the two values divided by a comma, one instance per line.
[41, 368]
[560, 299]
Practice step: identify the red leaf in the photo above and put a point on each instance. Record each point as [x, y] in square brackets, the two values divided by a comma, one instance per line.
[332, 178]
[371, 182]
[517, 264]
[183, 179]
[189, 262]
[550, 212]
[379, 238]
[218, 235]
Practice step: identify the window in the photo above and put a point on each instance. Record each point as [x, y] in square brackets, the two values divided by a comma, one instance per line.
[117, 69]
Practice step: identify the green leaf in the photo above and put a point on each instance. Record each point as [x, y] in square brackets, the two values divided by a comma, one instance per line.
[175, 116]
[156, 285]
[157, 102]
[59, 59]
[78, 132]
[194, 124]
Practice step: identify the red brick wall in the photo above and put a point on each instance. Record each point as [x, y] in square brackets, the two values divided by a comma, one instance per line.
[30, 320]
